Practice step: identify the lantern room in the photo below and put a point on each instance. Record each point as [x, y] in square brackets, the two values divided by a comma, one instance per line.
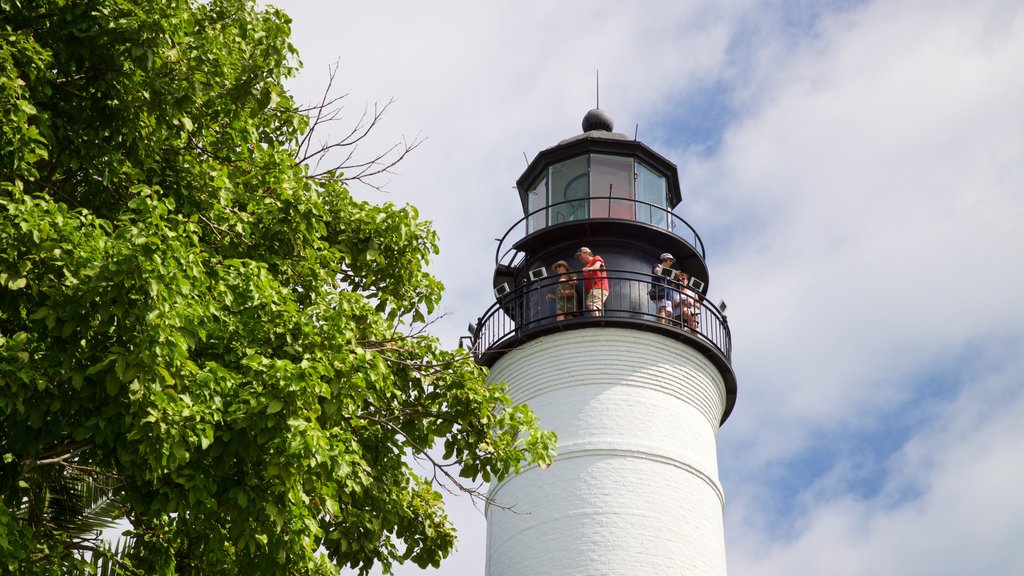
[598, 174]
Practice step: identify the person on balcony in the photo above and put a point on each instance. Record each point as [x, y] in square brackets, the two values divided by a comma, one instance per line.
[689, 303]
[665, 291]
[565, 291]
[595, 280]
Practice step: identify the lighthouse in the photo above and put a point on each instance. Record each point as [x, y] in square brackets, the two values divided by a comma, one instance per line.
[602, 323]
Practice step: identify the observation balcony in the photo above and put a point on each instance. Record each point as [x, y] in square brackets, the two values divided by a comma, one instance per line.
[526, 313]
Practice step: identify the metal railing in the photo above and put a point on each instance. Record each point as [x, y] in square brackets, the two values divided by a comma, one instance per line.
[598, 209]
[527, 310]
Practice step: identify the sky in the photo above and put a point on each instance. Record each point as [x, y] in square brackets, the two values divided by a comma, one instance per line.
[856, 171]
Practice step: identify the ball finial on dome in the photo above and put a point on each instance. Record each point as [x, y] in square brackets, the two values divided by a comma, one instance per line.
[597, 119]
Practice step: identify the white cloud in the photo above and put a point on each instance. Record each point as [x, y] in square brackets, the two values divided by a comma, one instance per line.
[961, 473]
[876, 195]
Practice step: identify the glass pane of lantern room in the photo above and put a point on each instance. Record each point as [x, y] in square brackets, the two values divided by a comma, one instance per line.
[652, 192]
[611, 187]
[568, 191]
[536, 199]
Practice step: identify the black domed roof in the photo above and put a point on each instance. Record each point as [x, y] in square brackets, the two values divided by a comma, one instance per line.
[598, 119]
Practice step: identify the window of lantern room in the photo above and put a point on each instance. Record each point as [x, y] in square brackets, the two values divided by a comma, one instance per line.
[568, 191]
[652, 197]
[611, 187]
[536, 200]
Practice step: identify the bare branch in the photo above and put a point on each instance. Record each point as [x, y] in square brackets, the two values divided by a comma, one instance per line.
[30, 464]
[332, 158]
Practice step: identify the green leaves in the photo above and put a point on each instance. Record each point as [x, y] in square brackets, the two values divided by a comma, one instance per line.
[185, 310]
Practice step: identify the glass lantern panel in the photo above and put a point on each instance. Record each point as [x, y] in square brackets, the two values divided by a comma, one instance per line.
[536, 200]
[568, 191]
[652, 193]
[611, 187]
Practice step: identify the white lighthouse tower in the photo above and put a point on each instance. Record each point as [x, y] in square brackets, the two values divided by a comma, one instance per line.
[636, 388]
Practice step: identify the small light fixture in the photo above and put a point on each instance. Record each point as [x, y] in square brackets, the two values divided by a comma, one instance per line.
[538, 273]
[667, 272]
[721, 306]
[471, 328]
[696, 284]
[501, 289]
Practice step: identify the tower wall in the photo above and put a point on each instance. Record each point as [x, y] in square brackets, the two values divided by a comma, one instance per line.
[634, 488]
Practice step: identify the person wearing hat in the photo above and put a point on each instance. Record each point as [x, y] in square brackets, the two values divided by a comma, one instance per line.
[565, 291]
[664, 292]
[595, 280]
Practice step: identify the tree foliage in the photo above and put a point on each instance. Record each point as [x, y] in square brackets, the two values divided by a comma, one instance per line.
[188, 311]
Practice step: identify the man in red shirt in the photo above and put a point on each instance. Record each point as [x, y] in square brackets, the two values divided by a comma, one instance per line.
[595, 280]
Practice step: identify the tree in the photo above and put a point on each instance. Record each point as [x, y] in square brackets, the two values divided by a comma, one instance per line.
[190, 312]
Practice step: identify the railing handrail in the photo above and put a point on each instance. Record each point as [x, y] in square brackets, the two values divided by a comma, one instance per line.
[671, 216]
[497, 324]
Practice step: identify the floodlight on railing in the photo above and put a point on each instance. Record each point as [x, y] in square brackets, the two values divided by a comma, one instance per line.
[501, 290]
[696, 284]
[538, 273]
